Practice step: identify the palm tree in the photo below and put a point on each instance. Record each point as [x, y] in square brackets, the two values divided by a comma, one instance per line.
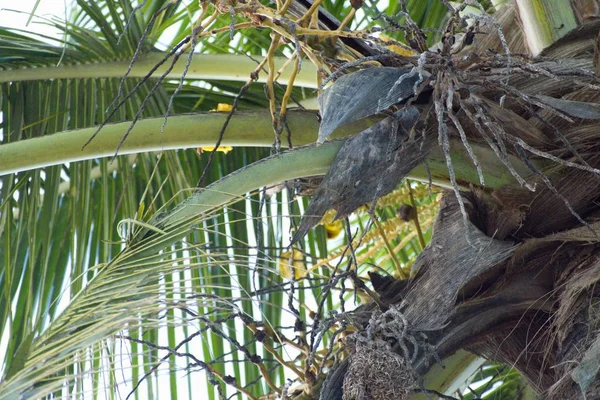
[197, 278]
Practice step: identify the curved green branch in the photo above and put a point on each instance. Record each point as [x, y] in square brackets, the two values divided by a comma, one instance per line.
[247, 128]
[309, 161]
[229, 67]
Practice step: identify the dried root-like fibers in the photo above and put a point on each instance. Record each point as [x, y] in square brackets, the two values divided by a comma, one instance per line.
[377, 374]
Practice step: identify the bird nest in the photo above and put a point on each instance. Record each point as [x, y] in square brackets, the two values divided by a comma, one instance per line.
[378, 374]
[381, 366]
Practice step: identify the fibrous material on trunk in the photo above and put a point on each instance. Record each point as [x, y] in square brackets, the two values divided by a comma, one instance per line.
[456, 255]
[368, 166]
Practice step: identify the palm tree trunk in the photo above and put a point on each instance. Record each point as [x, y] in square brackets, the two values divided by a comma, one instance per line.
[518, 282]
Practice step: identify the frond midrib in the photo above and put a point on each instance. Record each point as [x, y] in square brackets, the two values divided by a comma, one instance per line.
[227, 67]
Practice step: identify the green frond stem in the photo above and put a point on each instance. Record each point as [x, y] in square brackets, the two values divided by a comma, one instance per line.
[310, 161]
[248, 128]
[545, 21]
[228, 67]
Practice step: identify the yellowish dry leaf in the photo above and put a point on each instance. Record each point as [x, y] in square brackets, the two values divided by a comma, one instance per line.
[223, 107]
[333, 229]
[291, 264]
[222, 149]
[395, 48]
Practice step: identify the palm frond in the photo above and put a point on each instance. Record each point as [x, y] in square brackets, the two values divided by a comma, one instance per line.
[51, 237]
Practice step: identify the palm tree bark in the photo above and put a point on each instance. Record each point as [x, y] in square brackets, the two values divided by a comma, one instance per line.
[518, 281]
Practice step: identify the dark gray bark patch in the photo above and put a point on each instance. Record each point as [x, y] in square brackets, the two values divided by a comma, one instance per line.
[368, 165]
[448, 264]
